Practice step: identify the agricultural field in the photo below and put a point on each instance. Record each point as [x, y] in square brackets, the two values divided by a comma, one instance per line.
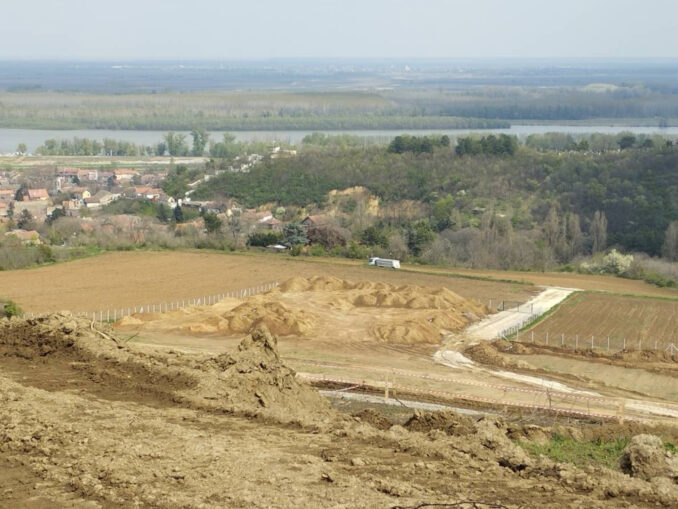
[124, 279]
[639, 320]
[596, 283]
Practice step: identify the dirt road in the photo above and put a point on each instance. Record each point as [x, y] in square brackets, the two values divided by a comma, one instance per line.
[492, 326]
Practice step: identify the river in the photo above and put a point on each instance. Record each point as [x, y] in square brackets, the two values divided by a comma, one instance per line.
[33, 138]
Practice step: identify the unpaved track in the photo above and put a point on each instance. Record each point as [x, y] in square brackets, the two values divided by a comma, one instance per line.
[492, 326]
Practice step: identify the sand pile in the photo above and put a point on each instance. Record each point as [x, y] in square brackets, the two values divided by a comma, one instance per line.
[431, 311]
[407, 332]
[328, 308]
[228, 317]
[277, 317]
[646, 458]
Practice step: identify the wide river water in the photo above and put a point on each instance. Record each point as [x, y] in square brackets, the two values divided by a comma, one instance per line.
[10, 138]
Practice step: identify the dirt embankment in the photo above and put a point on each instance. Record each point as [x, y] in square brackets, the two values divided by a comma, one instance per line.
[251, 381]
[120, 428]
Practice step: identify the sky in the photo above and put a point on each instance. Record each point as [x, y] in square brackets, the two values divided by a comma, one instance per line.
[265, 29]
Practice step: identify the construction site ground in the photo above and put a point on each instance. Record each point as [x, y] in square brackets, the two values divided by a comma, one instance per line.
[339, 346]
[89, 421]
[175, 410]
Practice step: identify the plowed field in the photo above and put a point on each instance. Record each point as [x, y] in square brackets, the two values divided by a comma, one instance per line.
[123, 279]
[602, 316]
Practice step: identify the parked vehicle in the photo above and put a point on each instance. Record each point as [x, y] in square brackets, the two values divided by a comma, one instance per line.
[384, 262]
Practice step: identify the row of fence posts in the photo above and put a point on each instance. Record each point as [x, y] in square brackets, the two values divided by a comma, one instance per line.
[590, 342]
[515, 329]
[112, 315]
[510, 305]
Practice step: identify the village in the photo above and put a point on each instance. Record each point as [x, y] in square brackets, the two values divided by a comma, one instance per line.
[108, 200]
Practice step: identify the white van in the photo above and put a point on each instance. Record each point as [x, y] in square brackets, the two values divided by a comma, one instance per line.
[384, 262]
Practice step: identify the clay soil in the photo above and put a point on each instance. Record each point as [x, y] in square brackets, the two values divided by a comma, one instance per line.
[125, 279]
[88, 420]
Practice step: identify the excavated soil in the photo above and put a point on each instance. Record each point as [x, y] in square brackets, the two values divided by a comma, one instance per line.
[87, 420]
[327, 307]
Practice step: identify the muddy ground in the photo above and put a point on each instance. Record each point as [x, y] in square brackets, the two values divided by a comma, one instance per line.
[87, 420]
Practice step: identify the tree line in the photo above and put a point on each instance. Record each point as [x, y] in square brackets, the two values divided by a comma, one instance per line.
[635, 189]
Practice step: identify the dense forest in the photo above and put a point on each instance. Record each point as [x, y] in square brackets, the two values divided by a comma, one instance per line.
[474, 108]
[634, 191]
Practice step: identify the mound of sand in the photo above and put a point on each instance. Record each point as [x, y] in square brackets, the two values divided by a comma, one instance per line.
[646, 458]
[277, 317]
[255, 378]
[409, 332]
[325, 307]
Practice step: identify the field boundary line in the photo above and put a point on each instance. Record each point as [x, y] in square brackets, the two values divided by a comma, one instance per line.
[504, 388]
[113, 314]
[548, 393]
[455, 396]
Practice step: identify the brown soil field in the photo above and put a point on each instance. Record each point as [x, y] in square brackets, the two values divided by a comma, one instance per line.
[88, 420]
[599, 315]
[123, 279]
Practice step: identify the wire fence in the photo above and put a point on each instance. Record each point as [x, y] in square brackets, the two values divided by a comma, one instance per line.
[573, 405]
[112, 314]
[497, 305]
[594, 343]
[515, 329]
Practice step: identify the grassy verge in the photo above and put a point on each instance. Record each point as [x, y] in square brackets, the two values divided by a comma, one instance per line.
[602, 453]
[579, 453]
[471, 276]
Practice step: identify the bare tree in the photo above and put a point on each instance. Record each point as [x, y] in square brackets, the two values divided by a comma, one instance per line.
[670, 248]
[598, 232]
[574, 236]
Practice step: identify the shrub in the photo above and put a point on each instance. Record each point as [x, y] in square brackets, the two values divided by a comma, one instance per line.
[263, 239]
[317, 250]
[11, 309]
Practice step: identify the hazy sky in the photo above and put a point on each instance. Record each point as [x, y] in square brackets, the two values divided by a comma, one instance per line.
[256, 29]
